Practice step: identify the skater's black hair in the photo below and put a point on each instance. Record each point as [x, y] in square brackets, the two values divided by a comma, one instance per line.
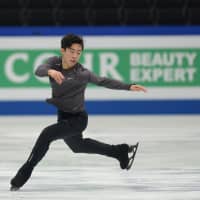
[70, 39]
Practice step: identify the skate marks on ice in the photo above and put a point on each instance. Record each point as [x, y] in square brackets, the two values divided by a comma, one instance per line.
[166, 165]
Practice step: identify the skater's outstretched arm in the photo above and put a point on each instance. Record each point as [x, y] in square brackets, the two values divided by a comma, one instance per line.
[113, 84]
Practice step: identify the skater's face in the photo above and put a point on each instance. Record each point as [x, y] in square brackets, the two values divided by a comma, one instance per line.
[71, 55]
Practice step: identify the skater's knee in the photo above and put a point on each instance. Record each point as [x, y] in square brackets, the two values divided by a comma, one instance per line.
[76, 149]
[46, 136]
[45, 131]
[81, 145]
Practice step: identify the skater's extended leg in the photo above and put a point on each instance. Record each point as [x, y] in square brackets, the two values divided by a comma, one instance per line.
[49, 134]
[78, 144]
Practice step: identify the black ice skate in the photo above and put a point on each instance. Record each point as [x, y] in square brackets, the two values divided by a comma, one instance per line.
[21, 177]
[126, 155]
[132, 152]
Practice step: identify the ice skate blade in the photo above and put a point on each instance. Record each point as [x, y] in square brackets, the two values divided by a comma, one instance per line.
[133, 150]
[14, 188]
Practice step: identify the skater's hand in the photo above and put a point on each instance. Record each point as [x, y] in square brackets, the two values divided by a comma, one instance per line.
[138, 88]
[56, 75]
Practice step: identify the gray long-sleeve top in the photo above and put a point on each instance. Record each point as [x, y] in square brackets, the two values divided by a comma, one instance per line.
[69, 96]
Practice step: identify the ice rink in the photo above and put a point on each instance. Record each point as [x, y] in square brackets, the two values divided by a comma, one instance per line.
[167, 164]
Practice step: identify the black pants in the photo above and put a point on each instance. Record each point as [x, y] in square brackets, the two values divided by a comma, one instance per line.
[69, 128]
